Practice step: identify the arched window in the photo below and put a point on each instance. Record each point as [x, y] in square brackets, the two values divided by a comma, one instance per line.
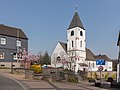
[80, 43]
[93, 65]
[72, 43]
[81, 33]
[58, 58]
[72, 33]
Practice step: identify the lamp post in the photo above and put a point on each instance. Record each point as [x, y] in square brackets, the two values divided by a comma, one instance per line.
[25, 57]
[12, 62]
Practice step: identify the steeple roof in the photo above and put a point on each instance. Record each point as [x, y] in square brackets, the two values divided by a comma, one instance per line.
[76, 22]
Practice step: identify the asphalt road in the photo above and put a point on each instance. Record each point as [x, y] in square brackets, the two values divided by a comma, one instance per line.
[9, 84]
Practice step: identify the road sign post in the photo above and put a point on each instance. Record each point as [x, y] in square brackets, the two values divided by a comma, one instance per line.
[100, 68]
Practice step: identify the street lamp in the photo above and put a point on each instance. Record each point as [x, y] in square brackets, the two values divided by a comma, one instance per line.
[25, 57]
[12, 54]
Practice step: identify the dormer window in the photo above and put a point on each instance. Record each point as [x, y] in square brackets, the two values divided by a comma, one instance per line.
[81, 33]
[72, 33]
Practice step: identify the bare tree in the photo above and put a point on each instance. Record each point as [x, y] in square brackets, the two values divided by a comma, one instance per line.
[71, 59]
[40, 55]
[63, 59]
[54, 59]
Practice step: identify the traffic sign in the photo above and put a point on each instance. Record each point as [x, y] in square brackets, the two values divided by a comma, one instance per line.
[100, 62]
[100, 68]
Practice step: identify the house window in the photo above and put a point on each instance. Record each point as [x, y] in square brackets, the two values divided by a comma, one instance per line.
[18, 43]
[81, 33]
[72, 33]
[14, 55]
[72, 43]
[1, 55]
[3, 41]
[80, 43]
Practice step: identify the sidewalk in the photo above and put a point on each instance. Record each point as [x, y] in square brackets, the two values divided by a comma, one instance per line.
[44, 85]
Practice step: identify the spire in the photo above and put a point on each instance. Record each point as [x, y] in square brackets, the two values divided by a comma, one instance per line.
[76, 22]
[118, 43]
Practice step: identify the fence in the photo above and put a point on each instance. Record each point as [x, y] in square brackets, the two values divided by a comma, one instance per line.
[105, 74]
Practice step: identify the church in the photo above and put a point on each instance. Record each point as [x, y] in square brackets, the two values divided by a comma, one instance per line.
[74, 55]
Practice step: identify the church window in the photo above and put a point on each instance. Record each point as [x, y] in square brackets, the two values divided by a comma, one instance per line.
[81, 33]
[93, 65]
[58, 58]
[72, 43]
[80, 43]
[72, 33]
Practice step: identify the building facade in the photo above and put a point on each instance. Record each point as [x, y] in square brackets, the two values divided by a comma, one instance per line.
[12, 41]
[76, 42]
[74, 55]
[91, 61]
[74, 51]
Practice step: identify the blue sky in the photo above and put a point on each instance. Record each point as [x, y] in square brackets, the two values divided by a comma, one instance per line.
[45, 22]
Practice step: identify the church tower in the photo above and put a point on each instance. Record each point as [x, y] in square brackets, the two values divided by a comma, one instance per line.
[76, 43]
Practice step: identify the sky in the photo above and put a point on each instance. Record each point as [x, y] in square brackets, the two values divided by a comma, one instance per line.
[45, 22]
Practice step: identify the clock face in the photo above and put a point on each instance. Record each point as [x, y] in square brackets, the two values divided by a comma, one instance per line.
[100, 62]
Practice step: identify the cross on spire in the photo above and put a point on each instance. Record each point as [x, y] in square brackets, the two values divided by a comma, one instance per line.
[76, 7]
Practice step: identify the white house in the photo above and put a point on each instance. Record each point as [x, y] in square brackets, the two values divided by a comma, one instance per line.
[91, 61]
[74, 55]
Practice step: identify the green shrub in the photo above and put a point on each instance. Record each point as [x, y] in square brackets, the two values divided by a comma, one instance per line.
[114, 76]
[84, 77]
[106, 76]
[72, 78]
[95, 75]
[65, 70]
[4, 68]
[91, 80]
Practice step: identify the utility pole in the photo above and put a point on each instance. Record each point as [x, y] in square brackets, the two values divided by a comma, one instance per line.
[18, 47]
[12, 62]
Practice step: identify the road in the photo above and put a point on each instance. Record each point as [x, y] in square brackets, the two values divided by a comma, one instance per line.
[10, 81]
[9, 84]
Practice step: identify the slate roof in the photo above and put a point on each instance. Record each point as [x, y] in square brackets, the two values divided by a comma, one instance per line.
[64, 45]
[12, 32]
[76, 22]
[104, 57]
[89, 55]
[118, 43]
